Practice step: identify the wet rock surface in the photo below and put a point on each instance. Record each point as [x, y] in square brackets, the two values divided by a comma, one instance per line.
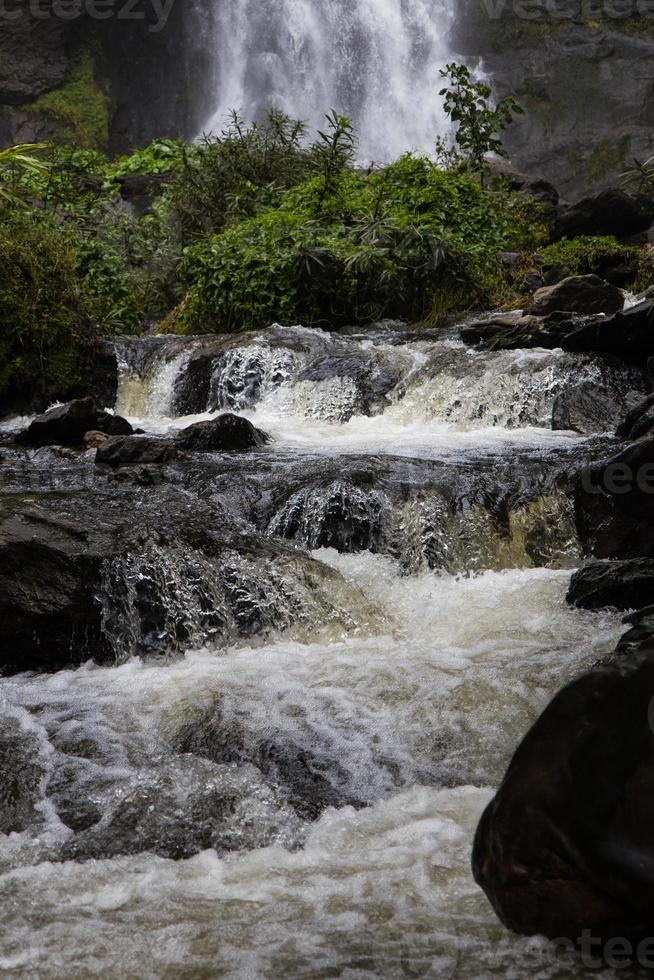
[226, 433]
[578, 294]
[109, 575]
[135, 450]
[585, 408]
[623, 584]
[582, 777]
[614, 504]
[66, 425]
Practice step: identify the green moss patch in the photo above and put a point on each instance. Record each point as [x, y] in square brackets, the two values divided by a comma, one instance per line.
[80, 106]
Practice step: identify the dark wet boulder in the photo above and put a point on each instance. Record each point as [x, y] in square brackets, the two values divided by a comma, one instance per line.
[567, 843]
[614, 504]
[624, 584]
[611, 212]
[49, 609]
[135, 450]
[640, 638]
[585, 408]
[639, 421]
[578, 294]
[116, 572]
[113, 425]
[628, 333]
[226, 433]
[507, 332]
[67, 424]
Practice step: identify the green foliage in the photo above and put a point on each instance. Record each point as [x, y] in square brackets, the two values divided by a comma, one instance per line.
[585, 255]
[333, 153]
[467, 103]
[231, 177]
[45, 335]
[70, 180]
[409, 241]
[16, 162]
[80, 106]
[162, 156]
[641, 174]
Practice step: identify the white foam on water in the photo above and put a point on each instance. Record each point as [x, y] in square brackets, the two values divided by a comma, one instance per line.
[468, 664]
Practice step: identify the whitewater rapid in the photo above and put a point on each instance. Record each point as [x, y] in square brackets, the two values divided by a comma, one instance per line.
[302, 804]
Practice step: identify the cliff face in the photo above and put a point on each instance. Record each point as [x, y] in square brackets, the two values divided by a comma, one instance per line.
[110, 83]
[587, 85]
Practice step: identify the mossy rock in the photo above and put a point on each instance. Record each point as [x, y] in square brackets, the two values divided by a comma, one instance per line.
[79, 108]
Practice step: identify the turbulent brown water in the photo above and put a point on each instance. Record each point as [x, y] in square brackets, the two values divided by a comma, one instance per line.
[302, 803]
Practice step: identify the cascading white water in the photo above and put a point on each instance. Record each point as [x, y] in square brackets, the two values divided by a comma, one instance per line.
[301, 802]
[376, 61]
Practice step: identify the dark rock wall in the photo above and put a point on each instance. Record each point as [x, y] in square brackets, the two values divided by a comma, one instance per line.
[153, 81]
[587, 84]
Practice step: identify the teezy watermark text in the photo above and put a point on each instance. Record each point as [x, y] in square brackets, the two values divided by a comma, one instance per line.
[561, 10]
[154, 13]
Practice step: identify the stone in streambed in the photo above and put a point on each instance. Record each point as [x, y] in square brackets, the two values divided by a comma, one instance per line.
[639, 421]
[585, 408]
[506, 332]
[612, 212]
[95, 439]
[567, 844]
[135, 450]
[578, 294]
[614, 504]
[624, 584]
[226, 433]
[629, 333]
[67, 424]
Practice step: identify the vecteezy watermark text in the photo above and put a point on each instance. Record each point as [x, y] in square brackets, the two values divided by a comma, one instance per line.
[562, 10]
[154, 13]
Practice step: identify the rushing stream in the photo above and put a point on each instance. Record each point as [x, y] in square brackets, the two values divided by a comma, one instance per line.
[300, 802]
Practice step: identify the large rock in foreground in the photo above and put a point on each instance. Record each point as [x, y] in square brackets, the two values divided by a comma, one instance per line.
[67, 424]
[628, 333]
[567, 843]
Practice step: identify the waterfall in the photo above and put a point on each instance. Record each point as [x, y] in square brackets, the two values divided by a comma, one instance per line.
[376, 61]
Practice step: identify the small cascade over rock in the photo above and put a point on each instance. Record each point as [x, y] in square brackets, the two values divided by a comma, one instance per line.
[294, 372]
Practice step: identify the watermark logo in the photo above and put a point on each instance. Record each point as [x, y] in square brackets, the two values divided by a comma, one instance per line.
[617, 479]
[570, 10]
[154, 13]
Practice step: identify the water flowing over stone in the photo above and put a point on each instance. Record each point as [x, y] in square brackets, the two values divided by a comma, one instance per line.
[375, 61]
[311, 660]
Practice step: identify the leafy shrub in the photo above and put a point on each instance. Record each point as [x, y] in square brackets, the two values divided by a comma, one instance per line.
[479, 123]
[407, 242]
[45, 334]
[162, 156]
[231, 177]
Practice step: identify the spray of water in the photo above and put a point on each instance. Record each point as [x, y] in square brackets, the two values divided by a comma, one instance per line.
[377, 61]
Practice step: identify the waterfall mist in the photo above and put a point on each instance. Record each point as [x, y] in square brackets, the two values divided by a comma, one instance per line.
[376, 61]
